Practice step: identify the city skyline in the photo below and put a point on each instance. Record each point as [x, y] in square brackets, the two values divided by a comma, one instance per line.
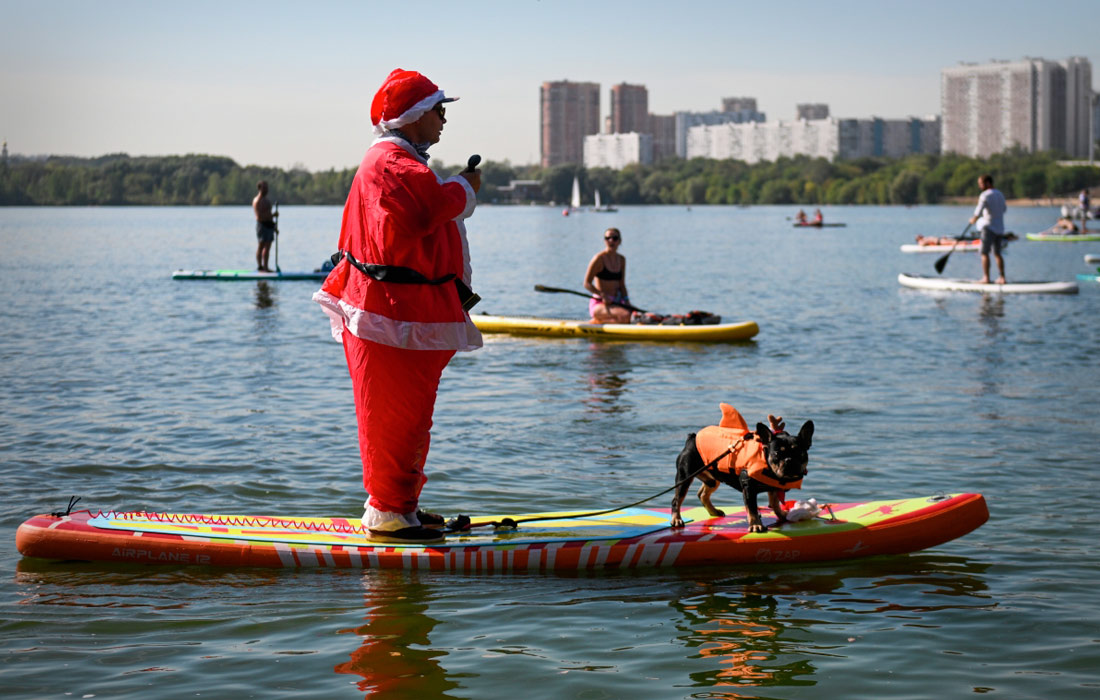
[287, 86]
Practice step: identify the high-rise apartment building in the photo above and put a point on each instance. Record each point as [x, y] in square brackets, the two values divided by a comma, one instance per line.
[569, 112]
[738, 104]
[685, 121]
[1033, 103]
[833, 139]
[1095, 126]
[663, 128]
[629, 109]
[811, 111]
[616, 151]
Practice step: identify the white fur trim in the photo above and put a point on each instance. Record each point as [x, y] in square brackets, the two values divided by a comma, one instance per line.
[411, 335]
[386, 521]
[471, 197]
[411, 114]
[471, 204]
[405, 145]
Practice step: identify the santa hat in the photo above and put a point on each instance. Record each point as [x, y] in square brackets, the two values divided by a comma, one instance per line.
[403, 98]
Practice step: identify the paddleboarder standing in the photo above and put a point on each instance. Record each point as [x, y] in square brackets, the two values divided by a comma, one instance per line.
[265, 226]
[1083, 199]
[989, 214]
[395, 299]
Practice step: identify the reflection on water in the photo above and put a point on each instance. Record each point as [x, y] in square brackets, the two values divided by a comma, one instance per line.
[265, 294]
[753, 627]
[607, 372]
[393, 657]
[990, 374]
[992, 309]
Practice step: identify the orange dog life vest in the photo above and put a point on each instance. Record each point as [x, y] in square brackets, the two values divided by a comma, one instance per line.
[745, 452]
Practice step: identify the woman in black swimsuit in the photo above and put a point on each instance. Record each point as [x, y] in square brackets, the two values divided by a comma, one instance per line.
[606, 279]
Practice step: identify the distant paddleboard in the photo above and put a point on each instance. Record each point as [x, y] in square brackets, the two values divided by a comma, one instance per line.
[1092, 259]
[229, 275]
[1063, 237]
[947, 284]
[532, 325]
[971, 246]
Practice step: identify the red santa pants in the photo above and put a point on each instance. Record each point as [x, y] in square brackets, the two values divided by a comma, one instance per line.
[395, 392]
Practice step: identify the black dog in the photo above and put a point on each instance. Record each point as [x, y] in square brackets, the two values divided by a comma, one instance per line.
[751, 462]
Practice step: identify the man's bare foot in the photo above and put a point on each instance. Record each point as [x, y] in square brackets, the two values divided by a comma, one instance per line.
[1000, 280]
[984, 280]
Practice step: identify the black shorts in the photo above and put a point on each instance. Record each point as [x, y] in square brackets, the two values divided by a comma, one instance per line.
[265, 231]
[991, 241]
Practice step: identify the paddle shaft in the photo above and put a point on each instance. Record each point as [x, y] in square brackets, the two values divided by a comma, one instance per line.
[942, 262]
[276, 217]
[558, 290]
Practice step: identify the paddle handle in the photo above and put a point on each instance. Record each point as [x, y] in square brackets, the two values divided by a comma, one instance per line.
[471, 164]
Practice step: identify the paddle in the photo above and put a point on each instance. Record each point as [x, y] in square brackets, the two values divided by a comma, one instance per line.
[942, 262]
[558, 290]
[276, 218]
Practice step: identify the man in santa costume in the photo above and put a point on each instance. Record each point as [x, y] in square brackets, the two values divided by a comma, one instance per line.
[395, 298]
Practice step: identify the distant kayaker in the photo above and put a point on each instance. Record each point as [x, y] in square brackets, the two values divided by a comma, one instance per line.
[989, 215]
[265, 226]
[800, 217]
[819, 218]
[606, 279]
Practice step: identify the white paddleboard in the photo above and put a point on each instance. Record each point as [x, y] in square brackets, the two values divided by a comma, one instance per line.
[248, 275]
[937, 248]
[1092, 259]
[948, 284]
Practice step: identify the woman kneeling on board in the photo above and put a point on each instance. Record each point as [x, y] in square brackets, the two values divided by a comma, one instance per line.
[606, 279]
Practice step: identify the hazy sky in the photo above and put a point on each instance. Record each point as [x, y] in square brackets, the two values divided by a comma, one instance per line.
[290, 83]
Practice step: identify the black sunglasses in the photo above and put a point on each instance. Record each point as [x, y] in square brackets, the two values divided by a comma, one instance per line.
[611, 238]
[440, 110]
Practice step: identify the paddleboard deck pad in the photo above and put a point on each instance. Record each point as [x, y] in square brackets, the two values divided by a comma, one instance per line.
[533, 325]
[947, 284]
[247, 275]
[632, 538]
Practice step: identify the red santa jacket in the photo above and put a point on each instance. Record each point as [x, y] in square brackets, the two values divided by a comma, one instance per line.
[400, 213]
[747, 452]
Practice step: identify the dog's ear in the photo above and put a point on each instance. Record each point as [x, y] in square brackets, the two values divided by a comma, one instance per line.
[806, 433]
[763, 433]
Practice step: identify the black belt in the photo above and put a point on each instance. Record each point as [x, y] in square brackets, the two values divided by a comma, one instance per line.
[397, 274]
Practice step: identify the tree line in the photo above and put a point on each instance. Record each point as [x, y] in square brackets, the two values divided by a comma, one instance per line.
[119, 179]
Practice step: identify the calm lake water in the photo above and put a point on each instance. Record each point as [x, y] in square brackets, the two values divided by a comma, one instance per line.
[135, 391]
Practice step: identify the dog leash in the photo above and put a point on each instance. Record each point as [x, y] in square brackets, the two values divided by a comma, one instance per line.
[461, 523]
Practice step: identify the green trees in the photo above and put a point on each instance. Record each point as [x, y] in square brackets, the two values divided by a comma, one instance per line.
[193, 179]
[196, 179]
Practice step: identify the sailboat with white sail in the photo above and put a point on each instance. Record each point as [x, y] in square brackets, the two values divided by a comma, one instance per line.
[575, 199]
[602, 207]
